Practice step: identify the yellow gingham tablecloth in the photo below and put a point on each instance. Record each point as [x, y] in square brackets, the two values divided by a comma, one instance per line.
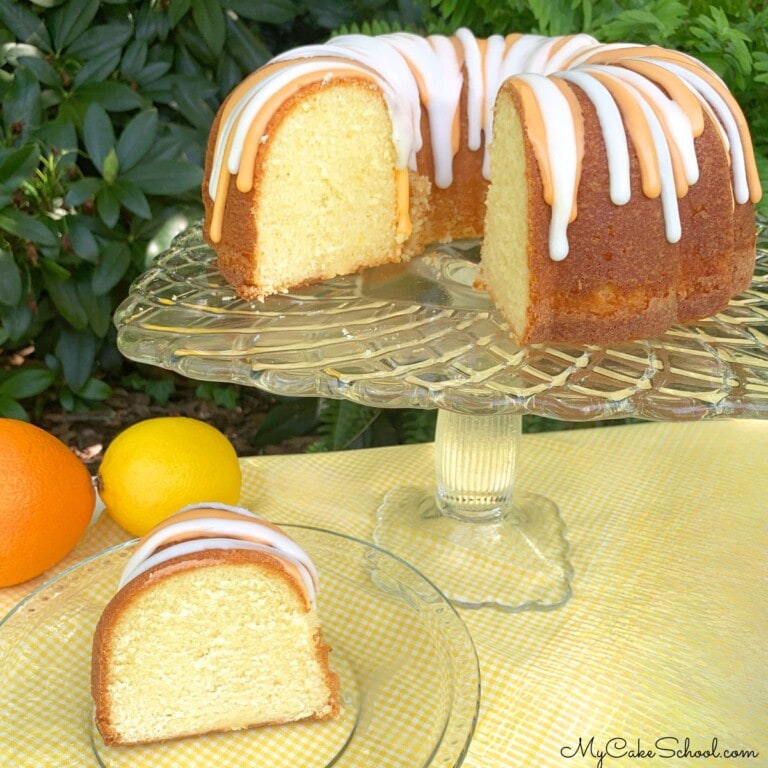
[659, 659]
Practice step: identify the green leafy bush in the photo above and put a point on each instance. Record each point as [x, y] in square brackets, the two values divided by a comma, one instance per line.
[106, 108]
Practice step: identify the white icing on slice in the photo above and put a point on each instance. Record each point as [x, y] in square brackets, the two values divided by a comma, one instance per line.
[207, 545]
[206, 530]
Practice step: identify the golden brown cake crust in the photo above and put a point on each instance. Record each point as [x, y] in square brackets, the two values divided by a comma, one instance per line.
[103, 635]
[621, 280]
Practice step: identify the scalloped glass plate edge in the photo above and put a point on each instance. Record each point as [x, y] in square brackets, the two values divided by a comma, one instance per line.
[451, 635]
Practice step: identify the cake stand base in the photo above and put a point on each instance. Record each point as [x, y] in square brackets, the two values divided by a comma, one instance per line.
[514, 561]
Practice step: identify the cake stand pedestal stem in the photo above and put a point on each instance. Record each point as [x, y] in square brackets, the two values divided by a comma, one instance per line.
[475, 463]
[480, 539]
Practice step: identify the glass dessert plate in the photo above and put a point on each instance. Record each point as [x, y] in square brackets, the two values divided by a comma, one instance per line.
[419, 335]
[408, 668]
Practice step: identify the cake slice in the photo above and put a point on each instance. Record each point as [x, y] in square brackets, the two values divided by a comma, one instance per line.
[214, 627]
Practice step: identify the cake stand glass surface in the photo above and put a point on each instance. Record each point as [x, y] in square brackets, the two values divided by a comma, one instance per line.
[419, 335]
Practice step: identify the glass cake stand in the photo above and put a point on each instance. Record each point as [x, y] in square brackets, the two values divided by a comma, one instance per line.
[420, 336]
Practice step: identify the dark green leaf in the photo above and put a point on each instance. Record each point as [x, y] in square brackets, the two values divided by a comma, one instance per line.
[98, 135]
[151, 23]
[67, 400]
[179, 141]
[17, 165]
[55, 270]
[94, 389]
[16, 322]
[160, 389]
[98, 308]
[10, 279]
[115, 97]
[82, 189]
[43, 70]
[152, 73]
[83, 242]
[132, 198]
[99, 68]
[26, 227]
[115, 260]
[10, 409]
[178, 10]
[60, 135]
[192, 106]
[76, 349]
[100, 38]
[64, 295]
[166, 177]
[210, 21]
[71, 20]
[288, 418]
[229, 72]
[26, 383]
[245, 46]
[265, 11]
[25, 25]
[137, 138]
[22, 104]
[108, 206]
[134, 58]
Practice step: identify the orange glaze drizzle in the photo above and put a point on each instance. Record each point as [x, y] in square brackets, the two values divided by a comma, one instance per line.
[424, 96]
[536, 132]
[578, 124]
[244, 179]
[560, 43]
[456, 125]
[509, 41]
[675, 89]
[678, 170]
[639, 132]
[259, 126]
[402, 195]
[222, 187]
[697, 68]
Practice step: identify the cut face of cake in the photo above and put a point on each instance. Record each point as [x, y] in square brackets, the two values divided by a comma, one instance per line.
[214, 628]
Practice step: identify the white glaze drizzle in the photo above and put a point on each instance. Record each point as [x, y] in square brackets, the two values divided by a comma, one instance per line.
[435, 59]
[612, 126]
[560, 133]
[473, 62]
[391, 59]
[203, 533]
[725, 118]
[675, 119]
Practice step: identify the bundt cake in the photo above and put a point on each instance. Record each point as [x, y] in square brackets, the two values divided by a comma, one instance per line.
[213, 628]
[612, 184]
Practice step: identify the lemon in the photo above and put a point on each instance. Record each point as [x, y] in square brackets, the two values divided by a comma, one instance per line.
[159, 465]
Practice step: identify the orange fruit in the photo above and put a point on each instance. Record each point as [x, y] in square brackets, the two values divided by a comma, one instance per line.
[46, 501]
